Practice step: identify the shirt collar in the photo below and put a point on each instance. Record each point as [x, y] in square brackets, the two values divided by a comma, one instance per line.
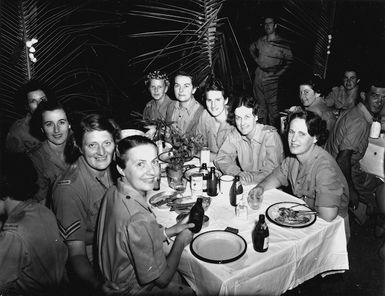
[84, 167]
[257, 136]
[130, 193]
[368, 116]
[189, 107]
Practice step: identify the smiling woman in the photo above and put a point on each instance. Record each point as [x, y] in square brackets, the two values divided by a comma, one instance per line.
[130, 241]
[50, 123]
[78, 193]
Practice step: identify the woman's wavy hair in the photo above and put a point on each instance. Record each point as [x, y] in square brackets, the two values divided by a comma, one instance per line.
[316, 83]
[95, 122]
[241, 100]
[128, 143]
[316, 126]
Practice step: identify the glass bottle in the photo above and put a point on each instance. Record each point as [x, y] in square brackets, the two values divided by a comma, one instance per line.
[260, 235]
[212, 183]
[205, 174]
[233, 192]
[196, 215]
[157, 182]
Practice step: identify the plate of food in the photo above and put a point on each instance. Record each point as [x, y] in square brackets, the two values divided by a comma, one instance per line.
[168, 155]
[191, 171]
[161, 199]
[184, 204]
[218, 246]
[291, 214]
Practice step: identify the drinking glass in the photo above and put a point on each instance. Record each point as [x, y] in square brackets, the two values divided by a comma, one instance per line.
[179, 185]
[255, 201]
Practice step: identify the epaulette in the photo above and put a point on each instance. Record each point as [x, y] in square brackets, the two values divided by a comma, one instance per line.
[64, 182]
[269, 128]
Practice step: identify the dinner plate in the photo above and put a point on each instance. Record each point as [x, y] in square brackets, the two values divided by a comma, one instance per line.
[166, 156]
[188, 173]
[276, 214]
[160, 196]
[218, 246]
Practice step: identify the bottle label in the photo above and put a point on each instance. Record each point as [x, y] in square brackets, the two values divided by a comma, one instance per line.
[266, 243]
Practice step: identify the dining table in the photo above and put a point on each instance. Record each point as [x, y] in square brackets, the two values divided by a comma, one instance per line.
[294, 255]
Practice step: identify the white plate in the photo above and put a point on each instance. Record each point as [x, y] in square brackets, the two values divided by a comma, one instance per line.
[273, 214]
[188, 173]
[165, 156]
[160, 196]
[218, 246]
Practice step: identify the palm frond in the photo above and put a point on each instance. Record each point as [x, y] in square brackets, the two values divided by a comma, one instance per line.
[193, 37]
[68, 37]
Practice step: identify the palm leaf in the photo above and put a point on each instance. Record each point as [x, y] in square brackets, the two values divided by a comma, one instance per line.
[68, 38]
[311, 23]
[193, 37]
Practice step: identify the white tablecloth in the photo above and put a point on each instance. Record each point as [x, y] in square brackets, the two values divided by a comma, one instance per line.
[294, 255]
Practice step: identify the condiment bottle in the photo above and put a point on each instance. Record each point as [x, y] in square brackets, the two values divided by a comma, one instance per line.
[196, 216]
[205, 174]
[236, 191]
[212, 183]
[260, 235]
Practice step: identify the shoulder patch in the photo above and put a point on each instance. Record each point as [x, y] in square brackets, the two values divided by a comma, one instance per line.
[64, 182]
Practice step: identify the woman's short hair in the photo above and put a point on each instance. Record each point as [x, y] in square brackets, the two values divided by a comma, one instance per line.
[95, 122]
[242, 100]
[185, 73]
[315, 82]
[214, 83]
[128, 143]
[157, 75]
[316, 126]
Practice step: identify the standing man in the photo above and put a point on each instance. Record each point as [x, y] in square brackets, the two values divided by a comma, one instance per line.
[19, 138]
[213, 125]
[157, 83]
[348, 142]
[345, 96]
[186, 111]
[273, 56]
[252, 150]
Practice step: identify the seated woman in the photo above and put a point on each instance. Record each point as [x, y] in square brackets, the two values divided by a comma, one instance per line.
[32, 254]
[213, 125]
[310, 93]
[128, 237]
[77, 195]
[313, 173]
[252, 150]
[50, 121]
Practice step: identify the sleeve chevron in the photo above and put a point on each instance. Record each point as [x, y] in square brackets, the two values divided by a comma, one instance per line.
[66, 232]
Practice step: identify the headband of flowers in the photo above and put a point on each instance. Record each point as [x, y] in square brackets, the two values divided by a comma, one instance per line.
[157, 75]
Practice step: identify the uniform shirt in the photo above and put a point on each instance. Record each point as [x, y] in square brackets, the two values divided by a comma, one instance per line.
[339, 99]
[319, 180]
[320, 108]
[153, 112]
[351, 132]
[32, 254]
[271, 56]
[19, 138]
[257, 157]
[48, 167]
[186, 119]
[130, 241]
[212, 138]
[76, 200]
